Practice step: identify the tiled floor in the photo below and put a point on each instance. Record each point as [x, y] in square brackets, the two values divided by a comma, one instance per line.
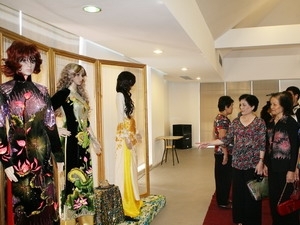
[188, 187]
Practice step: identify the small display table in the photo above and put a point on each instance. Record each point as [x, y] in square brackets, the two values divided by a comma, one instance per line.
[168, 143]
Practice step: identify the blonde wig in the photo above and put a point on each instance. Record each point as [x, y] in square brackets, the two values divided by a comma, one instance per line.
[66, 78]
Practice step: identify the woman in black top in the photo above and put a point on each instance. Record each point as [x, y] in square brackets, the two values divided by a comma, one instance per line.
[281, 155]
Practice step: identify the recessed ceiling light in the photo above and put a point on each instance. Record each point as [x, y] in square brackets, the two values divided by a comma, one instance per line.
[198, 78]
[158, 51]
[184, 69]
[91, 9]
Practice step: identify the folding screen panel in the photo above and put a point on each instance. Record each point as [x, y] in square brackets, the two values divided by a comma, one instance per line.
[209, 95]
[61, 59]
[261, 89]
[235, 90]
[41, 78]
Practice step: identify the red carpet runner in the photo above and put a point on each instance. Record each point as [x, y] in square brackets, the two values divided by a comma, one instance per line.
[217, 216]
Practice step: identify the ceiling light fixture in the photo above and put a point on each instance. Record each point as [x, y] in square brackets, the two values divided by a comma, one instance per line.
[91, 9]
[184, 69]
[158, 51]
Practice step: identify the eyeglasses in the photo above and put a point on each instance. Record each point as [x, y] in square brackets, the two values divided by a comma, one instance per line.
[31, 60]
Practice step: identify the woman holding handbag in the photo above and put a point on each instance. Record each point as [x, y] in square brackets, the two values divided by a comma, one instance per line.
[281, 155]
[247, 133]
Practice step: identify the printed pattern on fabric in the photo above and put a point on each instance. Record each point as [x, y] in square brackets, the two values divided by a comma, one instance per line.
[283, 143]
[77, 198]
[27, 148]
[221, 122]
[127, 129]
[248, 142]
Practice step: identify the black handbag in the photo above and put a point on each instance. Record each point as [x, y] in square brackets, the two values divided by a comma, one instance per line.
[259, 188]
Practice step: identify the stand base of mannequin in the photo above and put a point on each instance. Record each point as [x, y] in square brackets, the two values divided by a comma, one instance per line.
[83, 220]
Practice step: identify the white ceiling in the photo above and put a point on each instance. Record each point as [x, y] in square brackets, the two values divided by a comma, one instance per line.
[137, 27]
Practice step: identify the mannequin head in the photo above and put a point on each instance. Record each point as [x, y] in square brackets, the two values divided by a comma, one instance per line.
[18, 54]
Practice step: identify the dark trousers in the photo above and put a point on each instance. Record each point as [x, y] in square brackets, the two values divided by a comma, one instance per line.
[245, 209]
[223, 177]
[276, 184]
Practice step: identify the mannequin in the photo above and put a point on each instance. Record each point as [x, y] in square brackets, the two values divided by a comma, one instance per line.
[71, 100]
[126, 142]
[32, 136]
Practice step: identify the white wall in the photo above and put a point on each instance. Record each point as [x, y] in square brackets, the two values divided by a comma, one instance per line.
[184, 107]
[270, 67]
[158, 111]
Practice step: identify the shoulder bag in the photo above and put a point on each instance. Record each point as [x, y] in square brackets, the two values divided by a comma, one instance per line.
[291, 205]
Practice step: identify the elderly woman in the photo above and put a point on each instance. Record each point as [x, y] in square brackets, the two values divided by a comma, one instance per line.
[247, 132]
[282, 155]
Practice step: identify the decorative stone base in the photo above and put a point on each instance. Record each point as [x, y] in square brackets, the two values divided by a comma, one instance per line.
[152, 206]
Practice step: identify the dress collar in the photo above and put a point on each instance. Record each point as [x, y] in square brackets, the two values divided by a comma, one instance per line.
[22, 78]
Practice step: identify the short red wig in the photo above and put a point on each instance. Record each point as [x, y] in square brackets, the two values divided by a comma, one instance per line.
[15, 53]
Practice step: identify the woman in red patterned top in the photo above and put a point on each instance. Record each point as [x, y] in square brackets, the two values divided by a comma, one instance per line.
[248, 134]
[222, 154]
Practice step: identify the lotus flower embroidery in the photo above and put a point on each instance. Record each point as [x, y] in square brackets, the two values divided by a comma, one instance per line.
[80, 202]
[26, 167]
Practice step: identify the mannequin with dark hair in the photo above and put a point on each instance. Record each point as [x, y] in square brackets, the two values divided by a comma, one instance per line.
[126, 143]
[32, 136]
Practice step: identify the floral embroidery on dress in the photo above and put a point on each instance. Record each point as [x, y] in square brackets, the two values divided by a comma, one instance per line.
[77, 197]
[27, 145]
[81, 110]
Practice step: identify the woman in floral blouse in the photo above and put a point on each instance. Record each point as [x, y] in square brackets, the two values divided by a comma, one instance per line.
[282, 154]
[248, 134]
[78, 195]
[223, 157]
[32, 135]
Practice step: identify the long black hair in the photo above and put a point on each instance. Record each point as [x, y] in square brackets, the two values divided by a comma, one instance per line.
[125, 81]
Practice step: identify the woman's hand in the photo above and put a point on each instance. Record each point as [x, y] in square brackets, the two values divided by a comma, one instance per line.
[259, 169]
[225, 159]
[207, 143]
[202, 144]
[290, 177]
[297, 174]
